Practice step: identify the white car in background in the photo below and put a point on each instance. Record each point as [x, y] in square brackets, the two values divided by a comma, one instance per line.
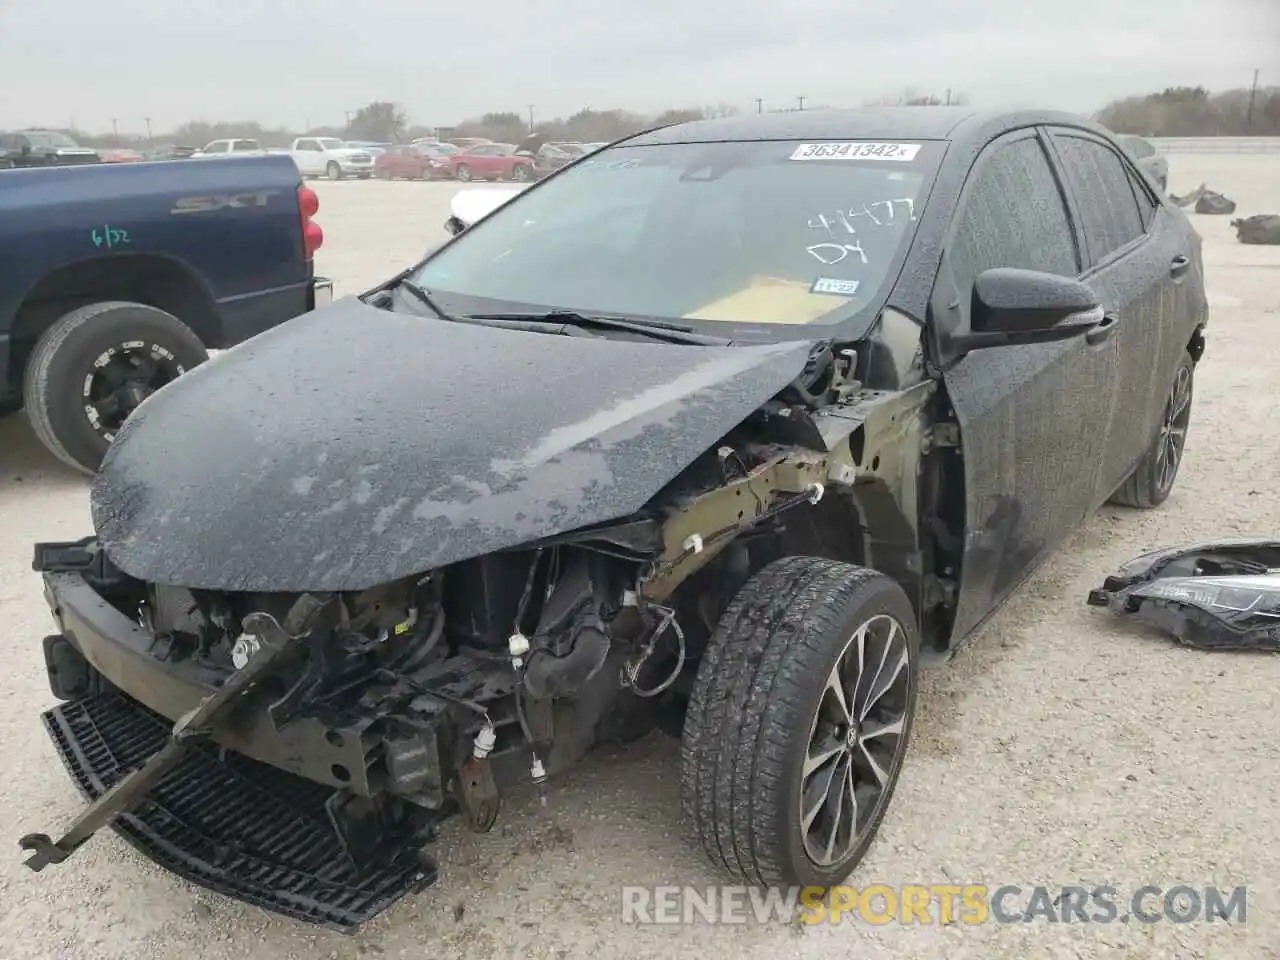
[330, 157]
[233, 147]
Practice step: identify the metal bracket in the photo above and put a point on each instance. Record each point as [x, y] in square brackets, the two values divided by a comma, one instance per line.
[200, 722]
[941, 435]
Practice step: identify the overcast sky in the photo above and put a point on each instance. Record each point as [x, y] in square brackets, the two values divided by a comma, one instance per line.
[305, 62]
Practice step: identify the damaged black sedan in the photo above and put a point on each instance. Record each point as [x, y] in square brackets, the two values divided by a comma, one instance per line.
[723, 429]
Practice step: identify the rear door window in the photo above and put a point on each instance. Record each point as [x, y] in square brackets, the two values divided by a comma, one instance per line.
[1103, 189]
[1014, 215]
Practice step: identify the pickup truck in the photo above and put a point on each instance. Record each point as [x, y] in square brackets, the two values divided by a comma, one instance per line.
[117, 278]
[230, 148]
[42, 148]
[331, 157]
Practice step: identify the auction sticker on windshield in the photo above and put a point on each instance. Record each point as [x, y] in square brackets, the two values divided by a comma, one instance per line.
[843, 288]
[905, 152]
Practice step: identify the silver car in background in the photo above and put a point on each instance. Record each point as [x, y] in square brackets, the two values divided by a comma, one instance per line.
[1149, 159]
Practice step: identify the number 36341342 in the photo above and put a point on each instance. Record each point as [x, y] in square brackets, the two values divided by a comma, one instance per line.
[904, 152]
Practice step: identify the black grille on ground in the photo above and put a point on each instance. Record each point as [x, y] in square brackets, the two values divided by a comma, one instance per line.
[231, 824]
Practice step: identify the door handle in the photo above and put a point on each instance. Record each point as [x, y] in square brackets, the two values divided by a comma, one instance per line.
[1179, 265]
[1102, 331]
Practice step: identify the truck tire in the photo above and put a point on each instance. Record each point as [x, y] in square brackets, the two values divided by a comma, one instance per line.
[93, 367]
[806, 690]
[1152, 480]
[333, 171]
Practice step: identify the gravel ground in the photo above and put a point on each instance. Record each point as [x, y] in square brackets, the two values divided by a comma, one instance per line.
[1058, 748]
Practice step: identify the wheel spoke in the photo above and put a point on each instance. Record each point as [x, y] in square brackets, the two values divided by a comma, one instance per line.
[835, 687]
[113, 375]
[843, 794]
[144, 370]
[816, 758]
[884, 681]
[1181, 394]
[892, 728]
[821, 794]
[877, 771]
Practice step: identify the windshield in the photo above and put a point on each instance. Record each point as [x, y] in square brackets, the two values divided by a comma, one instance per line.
[766, 232]
[42, 138]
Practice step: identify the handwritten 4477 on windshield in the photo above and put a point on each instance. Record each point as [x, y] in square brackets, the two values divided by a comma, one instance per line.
[841, 228]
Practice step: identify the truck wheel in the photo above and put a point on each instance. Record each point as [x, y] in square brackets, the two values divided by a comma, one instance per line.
[94, 366]
[333, 171]
[798, 722]
[1152, 480]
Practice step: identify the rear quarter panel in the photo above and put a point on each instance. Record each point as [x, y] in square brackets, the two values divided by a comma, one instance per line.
[57, 216]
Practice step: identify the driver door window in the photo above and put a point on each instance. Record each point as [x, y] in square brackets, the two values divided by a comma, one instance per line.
[1014, 216]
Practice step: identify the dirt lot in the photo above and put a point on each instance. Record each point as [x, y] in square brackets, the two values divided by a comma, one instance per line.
[1058, 748]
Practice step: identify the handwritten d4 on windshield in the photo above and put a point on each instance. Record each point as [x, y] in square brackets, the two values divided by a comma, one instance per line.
[108, 236]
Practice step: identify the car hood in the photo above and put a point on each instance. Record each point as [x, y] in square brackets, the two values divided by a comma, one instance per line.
[353, 446]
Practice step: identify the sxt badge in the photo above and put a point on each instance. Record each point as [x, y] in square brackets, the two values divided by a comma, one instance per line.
[224, 202]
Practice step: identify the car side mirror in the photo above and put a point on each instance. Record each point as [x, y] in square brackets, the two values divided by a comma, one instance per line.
[1011, 307]
[26, 149]
[454, 226]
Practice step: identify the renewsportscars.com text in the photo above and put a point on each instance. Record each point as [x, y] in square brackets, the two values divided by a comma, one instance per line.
[964, 904]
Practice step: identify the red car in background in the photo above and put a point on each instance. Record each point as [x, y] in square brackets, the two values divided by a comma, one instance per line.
[121, 156]
[415, 161]
[491, 161]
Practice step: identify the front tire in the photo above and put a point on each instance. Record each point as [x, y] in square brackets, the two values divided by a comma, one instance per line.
[463, 173]
[333, 171]
[1152, 480]
[94, 366]
[520, 173]
[799, 719]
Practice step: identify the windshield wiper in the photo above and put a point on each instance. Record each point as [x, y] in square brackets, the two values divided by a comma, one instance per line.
[657, 329]
[422, 296]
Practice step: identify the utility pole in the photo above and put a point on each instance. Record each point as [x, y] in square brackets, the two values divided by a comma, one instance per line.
[1253, 97]
[800, 100]
[948, 96]
[148, 119]
[531, 118]
[759, 105]
[348, 113]
[115, 127]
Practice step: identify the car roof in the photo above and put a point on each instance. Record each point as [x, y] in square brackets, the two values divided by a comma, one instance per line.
[867, 123]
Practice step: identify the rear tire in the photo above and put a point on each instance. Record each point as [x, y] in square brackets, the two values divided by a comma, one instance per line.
[766, 725]
[78, 359]
[1152, 480]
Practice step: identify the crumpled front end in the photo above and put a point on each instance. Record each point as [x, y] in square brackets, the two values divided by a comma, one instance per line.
[1223, 595]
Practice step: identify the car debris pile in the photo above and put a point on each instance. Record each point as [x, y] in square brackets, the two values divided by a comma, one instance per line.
[1213, 203]
[1262, 228]
[1214, 596]
[1205, 201]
